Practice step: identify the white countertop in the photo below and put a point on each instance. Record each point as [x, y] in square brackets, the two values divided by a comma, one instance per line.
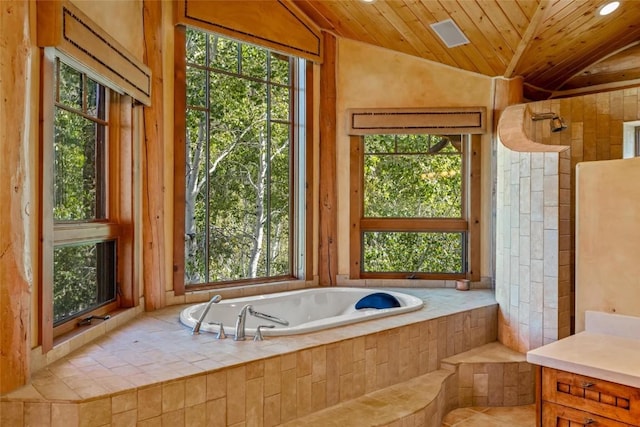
[608, 349]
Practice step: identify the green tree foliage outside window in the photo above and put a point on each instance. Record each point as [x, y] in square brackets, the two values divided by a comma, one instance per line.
[238, 180]
[83, 278]
[78, 147]
[414, 252]
[413, 176]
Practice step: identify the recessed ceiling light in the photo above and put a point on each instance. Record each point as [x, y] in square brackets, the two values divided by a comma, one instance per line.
[368, 1]
[608, 8]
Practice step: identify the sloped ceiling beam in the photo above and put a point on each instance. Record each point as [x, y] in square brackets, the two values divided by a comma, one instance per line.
[529, 34]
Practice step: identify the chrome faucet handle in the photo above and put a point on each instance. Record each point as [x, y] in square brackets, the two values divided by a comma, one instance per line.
[258, 336]
[220, 335]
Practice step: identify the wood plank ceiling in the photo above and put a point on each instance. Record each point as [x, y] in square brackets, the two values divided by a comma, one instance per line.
[559, 47]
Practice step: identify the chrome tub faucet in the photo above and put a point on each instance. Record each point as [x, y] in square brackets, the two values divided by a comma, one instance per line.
[196, 328]
[240, 322]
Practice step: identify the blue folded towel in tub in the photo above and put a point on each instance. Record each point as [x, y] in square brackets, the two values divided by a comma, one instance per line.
[378, 300]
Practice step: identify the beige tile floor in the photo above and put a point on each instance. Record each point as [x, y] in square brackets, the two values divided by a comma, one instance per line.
[506, 416]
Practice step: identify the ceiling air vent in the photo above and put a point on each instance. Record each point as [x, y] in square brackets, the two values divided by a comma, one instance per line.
[449, 32]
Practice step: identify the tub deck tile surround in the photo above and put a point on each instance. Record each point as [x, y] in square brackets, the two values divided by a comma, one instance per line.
[153, 370]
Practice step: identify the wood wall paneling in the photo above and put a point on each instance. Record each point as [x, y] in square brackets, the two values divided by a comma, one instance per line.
[355, 207]
[328, 214]
[124, 196]
[16, 281]
[560, 48]
[474, 212]
[278, 25]
[310, 200]
[153, 166]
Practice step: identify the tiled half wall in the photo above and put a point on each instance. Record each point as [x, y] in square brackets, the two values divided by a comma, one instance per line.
[533, 241]
[277, 389]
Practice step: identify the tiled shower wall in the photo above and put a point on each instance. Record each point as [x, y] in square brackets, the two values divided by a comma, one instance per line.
[532, 247]
[595, 132]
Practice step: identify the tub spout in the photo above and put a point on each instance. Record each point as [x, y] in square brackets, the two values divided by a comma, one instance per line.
[240, 322]
[196, 328]
[268, 317]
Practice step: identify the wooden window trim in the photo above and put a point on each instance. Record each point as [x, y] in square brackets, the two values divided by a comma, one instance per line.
[120, 210]
[179, 156]
[358, 224]
[88, 231]
[244, 21]
[62, 25]
[437, 120]
[413, 224]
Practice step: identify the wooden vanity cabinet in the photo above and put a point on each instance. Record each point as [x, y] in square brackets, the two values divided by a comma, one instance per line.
[569, 399]
[562, 416]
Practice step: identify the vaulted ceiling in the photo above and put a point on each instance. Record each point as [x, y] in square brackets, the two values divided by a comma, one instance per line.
[559, 47]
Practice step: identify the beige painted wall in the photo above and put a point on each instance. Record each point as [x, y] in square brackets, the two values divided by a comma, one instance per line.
[122, 19]
[369, 76]
[607, 238]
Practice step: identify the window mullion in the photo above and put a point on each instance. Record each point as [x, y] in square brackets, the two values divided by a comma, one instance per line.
[413, 224]
[267, 203]
[207, 156]
[85, 232]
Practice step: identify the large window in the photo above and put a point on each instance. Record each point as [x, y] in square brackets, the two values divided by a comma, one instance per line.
[242, 161]
[83, 166]
[414, 206]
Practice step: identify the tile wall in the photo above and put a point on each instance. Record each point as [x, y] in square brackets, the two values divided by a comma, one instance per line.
[492, 375]
[533, 247]
[496, 384]
[595, 132]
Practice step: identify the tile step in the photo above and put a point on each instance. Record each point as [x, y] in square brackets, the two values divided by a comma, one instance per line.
[423, 397]
[493, 352]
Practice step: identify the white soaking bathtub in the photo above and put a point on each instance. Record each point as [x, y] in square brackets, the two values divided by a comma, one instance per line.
[306, 310]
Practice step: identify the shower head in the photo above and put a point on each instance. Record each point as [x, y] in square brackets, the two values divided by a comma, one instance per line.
[557, 123]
